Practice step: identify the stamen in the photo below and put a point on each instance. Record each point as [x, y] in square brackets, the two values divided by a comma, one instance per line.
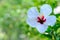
[44, 20]
[38, 19]
[42, 17]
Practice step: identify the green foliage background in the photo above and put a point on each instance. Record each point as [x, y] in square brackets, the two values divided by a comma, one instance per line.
[13, 26]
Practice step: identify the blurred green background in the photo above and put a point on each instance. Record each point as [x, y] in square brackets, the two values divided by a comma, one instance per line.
[13, 14]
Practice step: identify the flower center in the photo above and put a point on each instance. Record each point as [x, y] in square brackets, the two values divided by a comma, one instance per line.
[41, 19]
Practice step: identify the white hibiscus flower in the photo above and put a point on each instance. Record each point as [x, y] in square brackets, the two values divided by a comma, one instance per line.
[57, 10]
[41, 20]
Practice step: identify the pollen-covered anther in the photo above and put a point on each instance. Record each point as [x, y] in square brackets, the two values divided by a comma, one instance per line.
[41, 20]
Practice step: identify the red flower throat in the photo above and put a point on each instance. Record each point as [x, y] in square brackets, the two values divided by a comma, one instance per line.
[41, 20]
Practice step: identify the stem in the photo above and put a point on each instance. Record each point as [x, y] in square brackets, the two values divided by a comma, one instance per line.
[53, 35]
[53, 38]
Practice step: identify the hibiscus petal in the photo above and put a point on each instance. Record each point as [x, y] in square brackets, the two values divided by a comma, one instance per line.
[50, 20]
[32, 12]
[32, 22]
[45, 9]
[42, 28]
[57, 10]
